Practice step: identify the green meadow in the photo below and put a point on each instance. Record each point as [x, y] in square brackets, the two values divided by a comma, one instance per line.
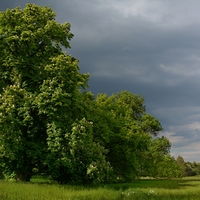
[183, 189]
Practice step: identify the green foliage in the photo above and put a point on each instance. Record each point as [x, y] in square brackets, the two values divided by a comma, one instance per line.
[122, 126]
[50, 125]
[28, 39]
[180, 161]
[39, 84]
[88, 157]
[188, 168]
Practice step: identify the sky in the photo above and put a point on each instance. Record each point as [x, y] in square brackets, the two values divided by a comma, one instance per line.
[150, 48]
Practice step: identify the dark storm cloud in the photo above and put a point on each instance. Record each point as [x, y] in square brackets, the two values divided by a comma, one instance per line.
[149, 48]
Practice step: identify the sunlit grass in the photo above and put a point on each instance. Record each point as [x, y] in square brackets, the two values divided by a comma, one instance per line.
[17, 191]
[183, 189]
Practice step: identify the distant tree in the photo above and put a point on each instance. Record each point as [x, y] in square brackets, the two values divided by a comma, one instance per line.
[196, 167]
[188, 168]
[180, 161]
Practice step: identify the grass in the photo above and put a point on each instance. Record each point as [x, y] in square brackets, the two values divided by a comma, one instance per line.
[183, 189]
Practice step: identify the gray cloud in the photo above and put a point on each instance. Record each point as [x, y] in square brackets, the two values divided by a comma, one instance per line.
[149, 48]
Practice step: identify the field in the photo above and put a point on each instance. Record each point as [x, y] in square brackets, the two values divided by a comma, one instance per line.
[184, 189]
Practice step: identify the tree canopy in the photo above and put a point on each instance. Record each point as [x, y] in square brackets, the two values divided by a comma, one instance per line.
[50, 124]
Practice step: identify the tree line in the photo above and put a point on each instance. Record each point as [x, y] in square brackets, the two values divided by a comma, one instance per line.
[51, 124]
[188, 168]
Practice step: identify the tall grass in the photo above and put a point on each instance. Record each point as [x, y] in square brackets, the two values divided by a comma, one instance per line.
[22, 191]
[184, 189]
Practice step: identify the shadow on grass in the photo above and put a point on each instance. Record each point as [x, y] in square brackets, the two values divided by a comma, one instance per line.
[142, 184]
[160, 184]
[137, 184]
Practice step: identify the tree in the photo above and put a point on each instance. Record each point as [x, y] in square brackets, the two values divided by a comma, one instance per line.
[39, 86]
[180, 161]
[188, 168]
[158, 162]
[168, 168]
[122, 126]
[134, 148]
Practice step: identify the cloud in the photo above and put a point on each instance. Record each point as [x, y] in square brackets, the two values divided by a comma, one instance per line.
[185, 140]
[189, 152]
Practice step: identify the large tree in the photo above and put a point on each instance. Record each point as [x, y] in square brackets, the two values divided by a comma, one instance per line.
[39, 86]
